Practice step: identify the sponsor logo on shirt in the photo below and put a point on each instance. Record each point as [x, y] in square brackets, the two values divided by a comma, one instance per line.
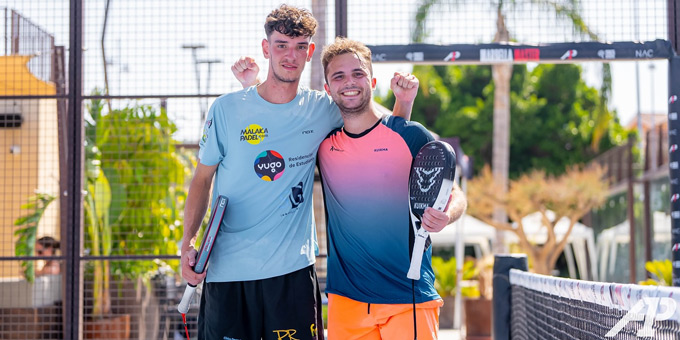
[380, 150]
[206, 127]
[296, 197]
[269, 165]
[254, 134]
[333, 148]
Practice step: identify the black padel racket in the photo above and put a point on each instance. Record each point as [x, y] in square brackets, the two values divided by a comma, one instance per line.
[430, 185]
[203, 255]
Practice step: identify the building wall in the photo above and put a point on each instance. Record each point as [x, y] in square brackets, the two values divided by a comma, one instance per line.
[30, 163]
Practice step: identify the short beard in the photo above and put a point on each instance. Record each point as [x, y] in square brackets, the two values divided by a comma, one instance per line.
[353, 111]
[284, 80]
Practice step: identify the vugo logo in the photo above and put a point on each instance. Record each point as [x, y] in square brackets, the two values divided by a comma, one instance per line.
[269, 165]
[634, 314]
[254, 134]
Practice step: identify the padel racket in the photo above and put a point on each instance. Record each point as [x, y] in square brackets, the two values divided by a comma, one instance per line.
[216, 217]
[430, 185]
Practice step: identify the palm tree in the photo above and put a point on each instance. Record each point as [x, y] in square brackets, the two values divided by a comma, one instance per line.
[502, 73]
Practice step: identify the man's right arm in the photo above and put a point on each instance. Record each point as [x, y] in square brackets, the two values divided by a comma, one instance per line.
[194, 210]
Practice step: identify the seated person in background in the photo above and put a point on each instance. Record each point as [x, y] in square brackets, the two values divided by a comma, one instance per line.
[47, 246]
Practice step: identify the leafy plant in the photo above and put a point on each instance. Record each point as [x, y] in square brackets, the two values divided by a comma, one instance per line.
[135, 192]
[553, 122]
[445, 277]
[25, 244]
[663, 272]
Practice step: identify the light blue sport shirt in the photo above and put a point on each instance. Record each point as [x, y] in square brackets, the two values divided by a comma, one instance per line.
[266, 154]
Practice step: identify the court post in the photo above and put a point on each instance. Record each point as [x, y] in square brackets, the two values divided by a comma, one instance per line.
[502, 292]
[674, 160]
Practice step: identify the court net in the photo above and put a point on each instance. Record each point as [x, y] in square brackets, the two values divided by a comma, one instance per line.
[546, 307]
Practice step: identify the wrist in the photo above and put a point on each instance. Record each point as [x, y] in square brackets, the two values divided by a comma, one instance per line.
[405, 102]
[187, 248]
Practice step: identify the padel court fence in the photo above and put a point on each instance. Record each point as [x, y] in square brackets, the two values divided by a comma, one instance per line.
[102, 103]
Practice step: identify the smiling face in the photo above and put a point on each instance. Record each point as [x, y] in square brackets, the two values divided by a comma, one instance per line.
[350, 83]
[287, 55]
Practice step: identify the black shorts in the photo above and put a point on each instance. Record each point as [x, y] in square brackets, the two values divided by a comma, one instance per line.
[285, 307]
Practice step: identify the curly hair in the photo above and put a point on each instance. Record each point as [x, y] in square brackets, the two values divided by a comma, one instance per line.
[341, 46]
[290, 21]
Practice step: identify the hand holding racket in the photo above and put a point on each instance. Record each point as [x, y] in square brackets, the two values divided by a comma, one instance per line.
[430, 185]
[203, 255]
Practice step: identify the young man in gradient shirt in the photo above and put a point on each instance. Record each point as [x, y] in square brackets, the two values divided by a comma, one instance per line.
[365, 167]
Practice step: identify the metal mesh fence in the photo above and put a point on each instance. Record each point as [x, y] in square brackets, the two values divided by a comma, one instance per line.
[471, 22]
[149, 72]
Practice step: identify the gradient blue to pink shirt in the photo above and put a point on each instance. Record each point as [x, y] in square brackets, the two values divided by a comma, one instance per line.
[365, 182]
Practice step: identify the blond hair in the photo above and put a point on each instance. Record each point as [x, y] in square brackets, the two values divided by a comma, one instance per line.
[341, 46]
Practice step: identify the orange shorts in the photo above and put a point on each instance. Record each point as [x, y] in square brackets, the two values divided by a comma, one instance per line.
[353, 320]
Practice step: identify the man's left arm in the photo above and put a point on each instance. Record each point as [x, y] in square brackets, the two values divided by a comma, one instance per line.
[434, 220]
[405, 88]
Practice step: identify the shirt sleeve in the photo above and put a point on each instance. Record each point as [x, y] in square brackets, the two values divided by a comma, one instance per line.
[213, 143]
[414, 134]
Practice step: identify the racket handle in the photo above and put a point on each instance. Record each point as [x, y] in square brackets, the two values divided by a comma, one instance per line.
[417, 256]
[183, 306]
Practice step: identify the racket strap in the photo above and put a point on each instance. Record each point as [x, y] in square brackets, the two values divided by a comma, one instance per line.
[415, 324]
